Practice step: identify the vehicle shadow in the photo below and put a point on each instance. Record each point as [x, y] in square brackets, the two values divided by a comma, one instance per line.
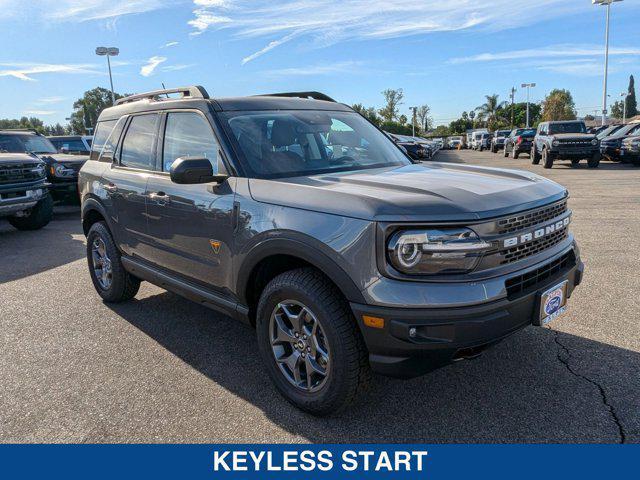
[537, 386]
[59, 243]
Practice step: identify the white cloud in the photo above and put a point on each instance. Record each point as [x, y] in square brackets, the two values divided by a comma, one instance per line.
[327, 22]
[50, 100]
[318, 70]
[27, 71]
[151, 65]
[269, 47]
[175, 68]
[170, 44]
[40, 112]
[563, 51]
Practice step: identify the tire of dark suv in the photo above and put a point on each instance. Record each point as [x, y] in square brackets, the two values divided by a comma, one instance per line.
[535, 157]
[594, 161]
[547, 159]
[310, 343]
[515, 153]
[112, 282]
[506, 151]
[39, 217]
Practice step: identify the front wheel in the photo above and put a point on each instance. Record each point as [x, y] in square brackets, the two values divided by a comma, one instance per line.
[594, 161]
[310, 342]
[535, 157]
[112, 282]
[547, 159]
[516, 154]
[506, 152]
[38, 217]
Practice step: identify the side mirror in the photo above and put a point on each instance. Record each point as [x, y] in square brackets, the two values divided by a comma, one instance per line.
[194, 170]
[64, 149]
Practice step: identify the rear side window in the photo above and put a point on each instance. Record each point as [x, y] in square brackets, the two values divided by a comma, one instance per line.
[188, 134]
[139, 141]
[107, 154]
[103, 129]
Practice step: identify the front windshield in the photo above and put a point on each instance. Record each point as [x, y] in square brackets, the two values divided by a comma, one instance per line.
[293, 143]
[25, 143]
[503, 133]
[608, 131]
[570, 127]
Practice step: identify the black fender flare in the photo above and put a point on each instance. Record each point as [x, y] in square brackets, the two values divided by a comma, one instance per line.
[306, 248]
[92, 204]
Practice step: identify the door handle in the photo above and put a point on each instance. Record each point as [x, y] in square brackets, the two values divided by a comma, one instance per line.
[160, 198]
[111, 188]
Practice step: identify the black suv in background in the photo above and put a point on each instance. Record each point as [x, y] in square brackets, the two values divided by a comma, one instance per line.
[498, 140]
[24, 198]
[302, 219]
[519, 141]
[610, 146]
[565, 140]
[74, 144]
[61, 168]
[630, 150]
[415, 150]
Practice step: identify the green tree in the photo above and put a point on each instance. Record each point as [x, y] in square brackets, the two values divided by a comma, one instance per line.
[558, 105]
[423, 117]
[490, 110]
[396, 127]
[368, 112]
[617, 109]
[632, 104]
[520, 114]
[24, 122]
[393, 100]
[87, 109]
[403, 119]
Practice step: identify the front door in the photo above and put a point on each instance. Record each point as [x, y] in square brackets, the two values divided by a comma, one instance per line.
[190, 226]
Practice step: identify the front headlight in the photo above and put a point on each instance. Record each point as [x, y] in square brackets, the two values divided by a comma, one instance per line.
[556, 143]
[58, 170]
[435, 251]
[594, 142]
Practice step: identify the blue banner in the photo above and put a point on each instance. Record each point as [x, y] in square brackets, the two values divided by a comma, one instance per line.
[319, 461]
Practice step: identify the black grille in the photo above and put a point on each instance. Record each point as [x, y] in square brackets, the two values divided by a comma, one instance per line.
[534, 247]
[531, 280]
[531, 218]
[15, 173]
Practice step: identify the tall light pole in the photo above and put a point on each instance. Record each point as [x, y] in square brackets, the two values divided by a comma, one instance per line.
[528, 86]
[109, 52]
[606, 55]
[513, 105]
[624, 106]
[413, 120]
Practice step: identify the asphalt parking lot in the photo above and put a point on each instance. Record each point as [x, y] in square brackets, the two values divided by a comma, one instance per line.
[162, 369]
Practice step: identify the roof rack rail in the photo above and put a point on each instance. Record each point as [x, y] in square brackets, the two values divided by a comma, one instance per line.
[33, 130]
[312, 95]
[191, 92]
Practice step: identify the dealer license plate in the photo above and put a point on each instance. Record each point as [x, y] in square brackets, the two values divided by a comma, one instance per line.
[553, 303]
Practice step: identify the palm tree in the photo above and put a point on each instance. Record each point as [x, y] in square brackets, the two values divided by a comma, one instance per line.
[489, 109]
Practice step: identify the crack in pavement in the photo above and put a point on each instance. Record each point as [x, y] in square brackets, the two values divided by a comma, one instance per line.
[603, 394]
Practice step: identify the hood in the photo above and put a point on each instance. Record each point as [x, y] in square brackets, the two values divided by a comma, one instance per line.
[434, 192]
[18, 159]
[64, 158]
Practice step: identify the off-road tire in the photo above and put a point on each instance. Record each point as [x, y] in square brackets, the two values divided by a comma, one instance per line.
[575, 162]
[516, 154]
[124, 286]
[506, 152]
[535, 157]
[594, 161]
[547, 159]
[39, 217]
[349, 371]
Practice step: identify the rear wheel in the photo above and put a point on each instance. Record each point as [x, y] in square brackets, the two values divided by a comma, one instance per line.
[516, 154]
[112, 282]
[506, 151]
[575, 162]
[310, 343]
[547, 159]
[594, 161]
[38, 217]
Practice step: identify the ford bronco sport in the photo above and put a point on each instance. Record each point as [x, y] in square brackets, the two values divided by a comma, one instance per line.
[24, 198]
[565, 140]
[293, 213]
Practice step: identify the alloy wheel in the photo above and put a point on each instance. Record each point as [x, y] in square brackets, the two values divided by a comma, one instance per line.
[102, 267]
[299, 345]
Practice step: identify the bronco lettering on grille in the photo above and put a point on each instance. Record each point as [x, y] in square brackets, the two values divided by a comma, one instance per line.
[538, 233]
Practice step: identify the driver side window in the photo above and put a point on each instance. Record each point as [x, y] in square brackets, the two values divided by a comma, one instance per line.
[188, 134]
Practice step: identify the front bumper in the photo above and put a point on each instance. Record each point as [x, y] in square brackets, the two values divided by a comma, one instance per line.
[13, 201]
[443, 335]
[63, 186]
[574, 153]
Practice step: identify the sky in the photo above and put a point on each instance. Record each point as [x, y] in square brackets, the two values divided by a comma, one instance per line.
[447, 54]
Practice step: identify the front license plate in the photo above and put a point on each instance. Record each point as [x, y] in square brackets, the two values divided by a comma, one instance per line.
[553, 303]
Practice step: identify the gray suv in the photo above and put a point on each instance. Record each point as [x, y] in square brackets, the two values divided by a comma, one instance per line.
[294, 214]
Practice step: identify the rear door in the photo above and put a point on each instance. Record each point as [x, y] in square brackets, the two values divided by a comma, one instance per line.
[190, 226]
[125, 182]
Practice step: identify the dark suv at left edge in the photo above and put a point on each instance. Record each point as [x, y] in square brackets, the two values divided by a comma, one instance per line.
[61, 168]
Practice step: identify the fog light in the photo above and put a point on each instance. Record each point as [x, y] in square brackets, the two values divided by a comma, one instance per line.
[413, 332]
